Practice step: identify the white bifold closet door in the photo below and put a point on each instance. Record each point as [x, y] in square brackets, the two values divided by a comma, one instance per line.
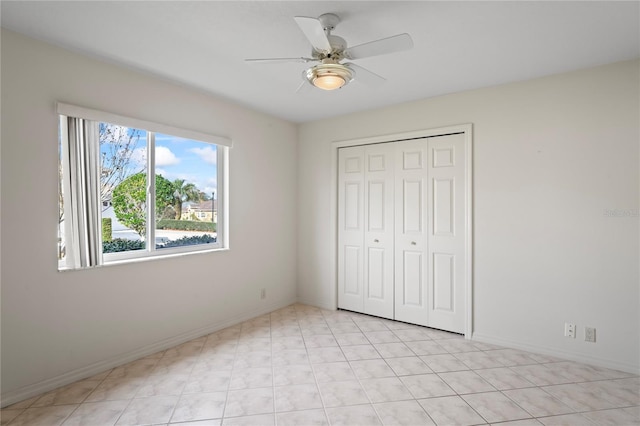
[430, 232]
[378, 230]
[351, 228]
[401, 235]
[365, 240]
[446, 230]
[411, 261]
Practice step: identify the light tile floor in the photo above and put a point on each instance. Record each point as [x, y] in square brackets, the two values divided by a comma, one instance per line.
[305, 366]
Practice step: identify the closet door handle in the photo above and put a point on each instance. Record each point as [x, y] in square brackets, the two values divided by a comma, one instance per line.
[413, 243]
[376, 241]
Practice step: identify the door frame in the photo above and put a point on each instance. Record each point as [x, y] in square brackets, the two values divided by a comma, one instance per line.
[467, 130]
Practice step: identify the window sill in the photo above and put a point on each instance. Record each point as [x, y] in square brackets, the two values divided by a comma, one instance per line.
[148, 258]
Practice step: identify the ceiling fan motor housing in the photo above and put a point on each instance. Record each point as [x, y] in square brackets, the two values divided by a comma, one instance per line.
[329, 21]
[338, 46]
[337, 43]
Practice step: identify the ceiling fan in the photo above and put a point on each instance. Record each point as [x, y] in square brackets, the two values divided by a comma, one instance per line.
[330, 50]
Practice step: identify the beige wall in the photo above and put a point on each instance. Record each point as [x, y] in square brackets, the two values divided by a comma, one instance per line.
[551, 156]
[54, 323]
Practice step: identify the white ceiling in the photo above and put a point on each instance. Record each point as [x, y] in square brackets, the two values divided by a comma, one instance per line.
[457, 45]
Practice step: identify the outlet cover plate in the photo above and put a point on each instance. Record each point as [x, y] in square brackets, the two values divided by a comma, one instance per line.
[590, 334]
[569, 330]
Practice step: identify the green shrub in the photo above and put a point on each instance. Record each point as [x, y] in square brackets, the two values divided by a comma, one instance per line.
[189, 241]
[120, 244]
[106, 229]
[129, 200]
[186, 225]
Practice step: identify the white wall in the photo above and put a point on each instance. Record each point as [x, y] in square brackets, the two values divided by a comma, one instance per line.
[55, 323]
[550, 156]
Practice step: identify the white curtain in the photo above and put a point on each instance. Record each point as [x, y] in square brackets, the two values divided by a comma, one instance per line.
[81, 188]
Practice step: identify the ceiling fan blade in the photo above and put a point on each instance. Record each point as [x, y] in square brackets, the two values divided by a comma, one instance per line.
[383, 46]
[365, 76]
[304, 87]
[276, 60]
[313, 30]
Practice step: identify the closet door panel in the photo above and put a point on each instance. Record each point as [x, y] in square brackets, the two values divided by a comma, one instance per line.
[352, 277]
[410, 232]
[378, 236]
[446, 251]
[351, 170]
[412, 294]
[376, 273]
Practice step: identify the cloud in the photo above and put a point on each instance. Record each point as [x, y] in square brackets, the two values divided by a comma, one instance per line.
[164, 157]
[178, 175]
[209, 186]
[113, 133]
[207, 154]
[139, 157]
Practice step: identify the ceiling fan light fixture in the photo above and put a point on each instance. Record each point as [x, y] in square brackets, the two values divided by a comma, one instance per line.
[329, 76]
[329, 81]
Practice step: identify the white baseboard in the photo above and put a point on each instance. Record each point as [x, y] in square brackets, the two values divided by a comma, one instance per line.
[573, 356]
[25, 392]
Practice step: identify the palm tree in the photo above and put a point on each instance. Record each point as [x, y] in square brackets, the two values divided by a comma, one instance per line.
[183, 192]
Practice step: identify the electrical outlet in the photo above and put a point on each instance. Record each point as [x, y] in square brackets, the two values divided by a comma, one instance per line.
[589, 334]
[263, 293]
[569, 330]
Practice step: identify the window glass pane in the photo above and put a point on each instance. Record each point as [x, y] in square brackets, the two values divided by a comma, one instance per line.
[61, 241]
[182, 173]
[186, 192]
[123, 183]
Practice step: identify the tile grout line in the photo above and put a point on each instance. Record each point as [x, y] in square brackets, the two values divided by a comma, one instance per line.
[173, 412]
[273, 373]
[313, 370]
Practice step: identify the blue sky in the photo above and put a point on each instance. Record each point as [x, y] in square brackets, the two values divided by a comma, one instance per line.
[193, 161]
[178, 158]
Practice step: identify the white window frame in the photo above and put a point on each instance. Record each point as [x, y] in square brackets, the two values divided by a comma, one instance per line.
[223, 145]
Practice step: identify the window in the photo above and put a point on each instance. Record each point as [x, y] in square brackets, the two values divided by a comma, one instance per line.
[131, 189]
